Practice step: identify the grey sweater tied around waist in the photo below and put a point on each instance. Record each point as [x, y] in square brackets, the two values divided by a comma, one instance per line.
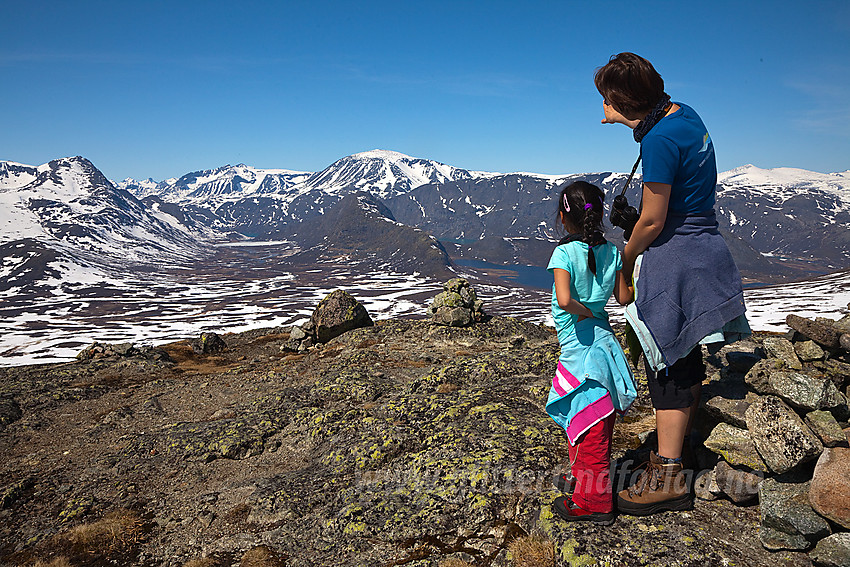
[689, 285]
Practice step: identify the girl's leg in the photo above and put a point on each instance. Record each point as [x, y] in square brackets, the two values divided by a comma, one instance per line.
[591, 458]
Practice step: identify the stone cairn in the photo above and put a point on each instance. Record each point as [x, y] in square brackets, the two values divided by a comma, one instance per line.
[776, 423]
[457, 305]
[336, 314]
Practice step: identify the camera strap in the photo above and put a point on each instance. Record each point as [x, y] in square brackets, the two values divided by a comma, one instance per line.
[631, 175]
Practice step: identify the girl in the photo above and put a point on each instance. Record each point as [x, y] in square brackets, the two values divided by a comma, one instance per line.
[593, 378]
[689, 289]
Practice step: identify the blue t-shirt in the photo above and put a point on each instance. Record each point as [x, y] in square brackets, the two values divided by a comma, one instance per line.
[592, 291]
[678, 152]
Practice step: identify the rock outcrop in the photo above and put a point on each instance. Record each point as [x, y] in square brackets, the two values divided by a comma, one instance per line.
[778, 406]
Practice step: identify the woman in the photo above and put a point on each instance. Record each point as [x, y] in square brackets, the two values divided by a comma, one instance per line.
[689, 286]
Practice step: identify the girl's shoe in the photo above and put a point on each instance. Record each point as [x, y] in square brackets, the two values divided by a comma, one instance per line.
[565, 482]
[571, 512]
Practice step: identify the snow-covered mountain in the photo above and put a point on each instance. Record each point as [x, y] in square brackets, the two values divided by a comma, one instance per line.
[65, 216]
[788, 213]
[384, 174]
[213, 187]
[780, 223]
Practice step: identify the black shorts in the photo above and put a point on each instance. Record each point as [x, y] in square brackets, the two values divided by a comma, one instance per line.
[670, 388]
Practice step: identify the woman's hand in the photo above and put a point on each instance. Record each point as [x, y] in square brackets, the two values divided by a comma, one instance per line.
[613, 116]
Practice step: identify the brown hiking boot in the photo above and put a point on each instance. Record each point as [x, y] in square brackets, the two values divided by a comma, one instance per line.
[659, 487]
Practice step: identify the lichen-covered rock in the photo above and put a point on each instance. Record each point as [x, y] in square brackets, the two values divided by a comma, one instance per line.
[804, 391]
[832, 551]
[829, 494]
[785, 508]
[457, 306]
[781, 348]
[739, 485]
[780, 436]
[337, 313]
[735, 446]
[808, 351]
[209, 343]
[826, 427]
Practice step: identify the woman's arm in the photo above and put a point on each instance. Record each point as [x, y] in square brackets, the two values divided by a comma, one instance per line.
[656, 198]
[624, 293]
[565, 299]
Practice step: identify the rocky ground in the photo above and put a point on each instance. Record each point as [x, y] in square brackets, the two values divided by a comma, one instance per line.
[403, 443]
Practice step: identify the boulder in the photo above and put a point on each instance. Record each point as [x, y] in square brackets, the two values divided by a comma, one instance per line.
[832, 551]
[705, 485]
[758, 377]
[829, 494]
[742, 361]
[735, 446]
[780, 436]
[208, 343]
[824, 334]
[808, 351]
[826, 427]
[785, 508]
[105, 350]
[804, 391]
[778, 347]
[739, 485]
[457, 305]
[730, 410]
[336, 314]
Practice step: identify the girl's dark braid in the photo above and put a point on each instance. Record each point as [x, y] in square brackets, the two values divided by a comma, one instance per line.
[581, 202]
[591, 234]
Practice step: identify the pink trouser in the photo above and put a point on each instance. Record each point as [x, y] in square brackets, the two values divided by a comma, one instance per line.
[590, 461]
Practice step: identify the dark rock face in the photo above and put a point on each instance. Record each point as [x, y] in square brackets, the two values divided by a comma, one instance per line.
[336, 314]
[9, 411]
[209, 343]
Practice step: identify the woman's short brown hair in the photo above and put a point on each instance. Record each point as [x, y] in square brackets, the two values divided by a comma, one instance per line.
[630, 84]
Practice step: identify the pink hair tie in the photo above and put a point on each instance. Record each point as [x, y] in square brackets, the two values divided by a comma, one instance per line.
[566, 203]
[588, 206]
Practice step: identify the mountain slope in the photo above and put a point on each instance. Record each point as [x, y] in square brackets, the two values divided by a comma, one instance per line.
[789, 213]
[68, 205]
[360, 230]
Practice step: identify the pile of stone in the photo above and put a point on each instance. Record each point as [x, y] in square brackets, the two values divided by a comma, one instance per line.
[777, 428]
[336, 314]
[457, 305]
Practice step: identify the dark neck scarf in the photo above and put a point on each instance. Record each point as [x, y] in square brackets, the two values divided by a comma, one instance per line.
[652, 118]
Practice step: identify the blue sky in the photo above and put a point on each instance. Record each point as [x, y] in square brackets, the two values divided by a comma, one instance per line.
[158, 89]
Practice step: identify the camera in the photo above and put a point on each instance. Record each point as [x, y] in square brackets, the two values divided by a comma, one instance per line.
[624, 215]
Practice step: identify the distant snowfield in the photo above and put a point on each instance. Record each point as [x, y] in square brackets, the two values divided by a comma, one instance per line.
[155, 309]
